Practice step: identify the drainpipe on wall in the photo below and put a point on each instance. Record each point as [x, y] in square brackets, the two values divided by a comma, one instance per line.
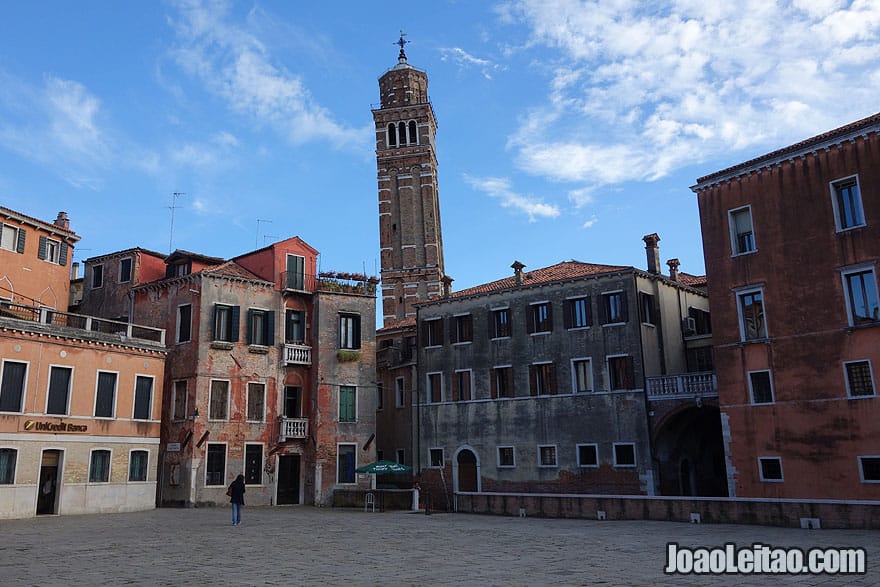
[650, 472]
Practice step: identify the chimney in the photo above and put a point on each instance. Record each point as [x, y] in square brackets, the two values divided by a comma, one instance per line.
[62, 221]
[447, 286]
[517, 272]
[653, 252]
[74, 269]
[673, 269]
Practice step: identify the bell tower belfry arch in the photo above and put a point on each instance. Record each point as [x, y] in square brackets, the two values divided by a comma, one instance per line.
[409, 207]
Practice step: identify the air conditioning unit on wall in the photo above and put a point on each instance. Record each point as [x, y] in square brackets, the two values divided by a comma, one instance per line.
[689, 326]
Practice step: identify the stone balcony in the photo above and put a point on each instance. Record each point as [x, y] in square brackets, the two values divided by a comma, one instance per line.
[293, 428]
[297, 354]
[684, 385]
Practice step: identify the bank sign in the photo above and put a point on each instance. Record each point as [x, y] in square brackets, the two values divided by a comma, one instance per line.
[34, 426]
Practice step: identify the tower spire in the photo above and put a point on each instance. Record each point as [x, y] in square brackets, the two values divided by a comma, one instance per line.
[402, 57]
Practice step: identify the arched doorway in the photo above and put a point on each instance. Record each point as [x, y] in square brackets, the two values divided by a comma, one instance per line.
[690, 453]
[466, 474]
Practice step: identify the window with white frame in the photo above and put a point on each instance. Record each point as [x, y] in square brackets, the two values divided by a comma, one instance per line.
[770, 469]
[847, 201]
[345, 463]
[105, 394]
[99, 466]
[295, 277]
[547, 455]
[506, 457]
[253, 464]
[143, 397]
[399, 393]
[581, 375]
[12, 238]
[97, 276]
[256, 402]
[624, 454]
[58, 399]
[435, 388]
[436, 458]
[184, 323]
[752, 321]
[125, 270]
[295, 326]
[742, 236]
[588, 455]
[261, 327]
[349, 331]
[461, 385]
[8, 459]
[215, 464]
[12, 385]
[218, 403]
[52, 251]
[137, 465]
[347, 403]
[761, 387]
[860, 286]
[179, 401]
[226, 323]
[869, 469]
[859, 378]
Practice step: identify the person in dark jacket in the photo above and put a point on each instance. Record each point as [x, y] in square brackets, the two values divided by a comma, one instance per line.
[236, 498]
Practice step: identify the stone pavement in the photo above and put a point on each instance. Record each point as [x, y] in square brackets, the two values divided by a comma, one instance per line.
[311, 546]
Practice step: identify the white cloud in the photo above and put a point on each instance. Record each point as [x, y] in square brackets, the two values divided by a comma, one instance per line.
[591, 222]
[466, 60]
[500, 188]
[635, 93]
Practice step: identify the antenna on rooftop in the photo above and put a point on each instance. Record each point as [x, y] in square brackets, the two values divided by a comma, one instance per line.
[173, 207]
[257, 237]
[267, 237]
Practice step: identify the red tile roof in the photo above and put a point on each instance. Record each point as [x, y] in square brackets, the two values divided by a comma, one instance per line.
[232, 269]
[559, 272]
[397, 325]
[692, 280]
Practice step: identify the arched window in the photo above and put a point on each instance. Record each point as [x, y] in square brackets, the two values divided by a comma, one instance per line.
[401, 132]
[392, 135]
[413, 132]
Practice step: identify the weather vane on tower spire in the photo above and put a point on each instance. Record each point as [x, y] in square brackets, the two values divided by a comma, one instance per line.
[401, 42]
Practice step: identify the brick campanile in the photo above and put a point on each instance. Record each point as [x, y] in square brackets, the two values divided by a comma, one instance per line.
[409, 206]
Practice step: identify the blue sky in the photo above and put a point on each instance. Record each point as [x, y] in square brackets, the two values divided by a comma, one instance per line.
[567, 129]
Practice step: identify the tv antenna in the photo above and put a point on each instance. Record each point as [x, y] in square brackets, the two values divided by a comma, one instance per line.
[173, 207]
[257, 237]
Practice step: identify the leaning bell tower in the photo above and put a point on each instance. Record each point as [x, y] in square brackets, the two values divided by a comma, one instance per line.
[409, 207]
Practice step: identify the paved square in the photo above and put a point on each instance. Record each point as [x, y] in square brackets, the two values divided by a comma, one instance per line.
[311, 546]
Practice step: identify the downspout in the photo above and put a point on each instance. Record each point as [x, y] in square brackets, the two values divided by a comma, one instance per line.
[418, 396]
[651, 481]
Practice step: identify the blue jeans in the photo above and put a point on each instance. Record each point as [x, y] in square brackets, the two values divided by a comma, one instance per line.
[236, 513]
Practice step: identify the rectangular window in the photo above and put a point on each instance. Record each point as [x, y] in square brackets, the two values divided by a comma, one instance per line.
[621, 373]
[614, 308]
[295, 326]
[547, 455]
[436, 457]
[859, 378]
[463, 329]
[99, 466]
[461, 386]
[435, 387]
[581, 375]
[869, 468]
[143, 398]
[432, 332]
[542, 379]
[105, 396]
[861, 297]
[540, 319]
[502, 382]
[500, 323]
[292, 401]
[751, 314]
[578, 313]
[380, 396]
[97, 276]
[847, 203]
[226, 320]
[761, 387]
[12, 386]
[700, 322]
[125, 270]
[349, 331]
[742, 238]
[50, 250]
[506, 457]
[588, 455]
[179, 400]
[218, 408]
[770, 468]
[10, 237]
[8, 457]
[345, 463]
[401, 456]
[347, 403]
[624, 454]
[700, 359]
[399, 393]
[184, 323]
[59, 390]
[253, 464]
[647, 308]
[261, 327]
[295, 276]
[137, 465]
[215, 465]
[256, 402]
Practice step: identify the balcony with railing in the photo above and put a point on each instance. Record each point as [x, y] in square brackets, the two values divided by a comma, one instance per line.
[297, 354]
[78, 324]
[293, 428]
[685, 385]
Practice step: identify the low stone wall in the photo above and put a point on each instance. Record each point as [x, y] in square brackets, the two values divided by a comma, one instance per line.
[792, 513]
[397, 499]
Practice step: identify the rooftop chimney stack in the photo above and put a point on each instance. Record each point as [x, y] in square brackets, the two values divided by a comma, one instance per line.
[673, 269]
[447, 286]
[62, 221]
[653, 252]
[517, 272]
[74, 270]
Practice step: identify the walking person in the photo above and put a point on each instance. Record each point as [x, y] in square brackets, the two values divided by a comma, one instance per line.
[236, 498]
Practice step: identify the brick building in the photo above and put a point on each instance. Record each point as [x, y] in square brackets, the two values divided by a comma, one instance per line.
[108, 279]
[80, 397]
[792, 243]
